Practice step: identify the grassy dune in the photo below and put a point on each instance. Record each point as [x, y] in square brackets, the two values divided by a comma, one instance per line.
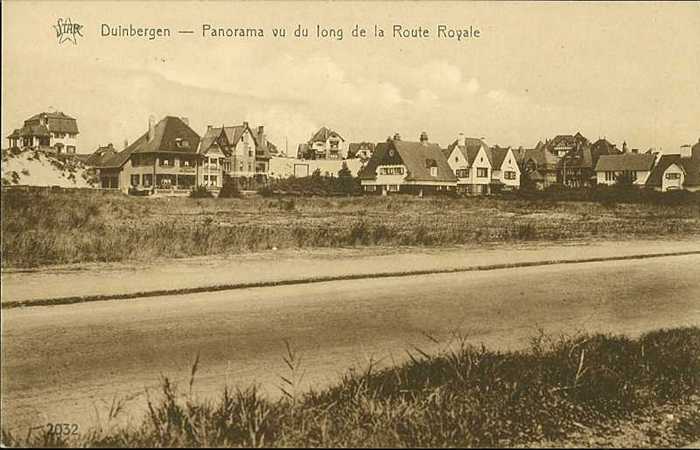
[62, 227]
[594, 390]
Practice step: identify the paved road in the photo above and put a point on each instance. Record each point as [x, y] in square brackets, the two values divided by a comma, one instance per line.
[65, 363]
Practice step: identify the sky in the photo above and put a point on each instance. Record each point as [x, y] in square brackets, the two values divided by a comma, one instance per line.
[624, 71]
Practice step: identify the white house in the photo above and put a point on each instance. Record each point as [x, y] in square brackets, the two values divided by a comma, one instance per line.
[470, 161]
[398, 166]
[636, 166]
[675, 172]
[55, 132]
[325, 144]
[505, 173]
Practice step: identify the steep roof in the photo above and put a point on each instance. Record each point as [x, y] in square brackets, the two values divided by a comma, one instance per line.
[210, 138]
[323, 134]
[469, 150]
[58, 121]
[418, 158]
[355, 147]
[100, 155]
[498, 154]
[625, 161]
[165, 140]
[691, 167]
[542, 157]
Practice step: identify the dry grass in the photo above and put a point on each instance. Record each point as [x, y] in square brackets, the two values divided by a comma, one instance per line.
[560, 390]
[55, 228]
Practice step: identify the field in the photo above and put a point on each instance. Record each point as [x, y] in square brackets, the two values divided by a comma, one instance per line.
[72, 227]
[589, 390]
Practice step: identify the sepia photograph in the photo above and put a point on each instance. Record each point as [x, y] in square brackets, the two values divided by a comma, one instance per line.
[343, 224]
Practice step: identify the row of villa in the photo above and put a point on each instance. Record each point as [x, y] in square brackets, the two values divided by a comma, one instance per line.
[171, 157]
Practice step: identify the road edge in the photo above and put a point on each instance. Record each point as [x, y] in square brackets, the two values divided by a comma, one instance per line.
[308, 280]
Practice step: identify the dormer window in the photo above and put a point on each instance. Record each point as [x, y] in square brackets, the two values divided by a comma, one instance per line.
[433, 171]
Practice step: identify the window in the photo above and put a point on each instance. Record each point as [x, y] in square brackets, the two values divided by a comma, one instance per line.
[148, 179]
[609, 176]
[185, 162]
[391, 171]
[482, 172]
[70, 149]
[462, 173]
[433, 171]
[212, 180]
[370, 188]
[392, 187]
[166, 162]
[673, 176]
[135, 180]
[509, 175]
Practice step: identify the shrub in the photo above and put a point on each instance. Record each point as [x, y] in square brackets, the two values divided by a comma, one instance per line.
[201, 192]
[230, 188]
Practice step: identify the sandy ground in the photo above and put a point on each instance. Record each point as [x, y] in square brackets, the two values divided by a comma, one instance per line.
[66, 363]
[100, 279]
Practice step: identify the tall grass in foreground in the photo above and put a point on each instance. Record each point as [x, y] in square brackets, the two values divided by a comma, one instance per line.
[464, 396]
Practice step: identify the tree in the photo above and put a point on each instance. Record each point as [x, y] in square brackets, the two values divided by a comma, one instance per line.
[346, 182]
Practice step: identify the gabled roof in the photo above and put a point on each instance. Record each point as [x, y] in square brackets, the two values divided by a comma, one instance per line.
[323, 134]
[165, 136]
[568, 140]
[625, 161]
[498, 155]
[691, 167]
[100, 155]
[210, 139]
[418, 158]
[355, 147]
[542, 157]
[469, 150]
[235, 133]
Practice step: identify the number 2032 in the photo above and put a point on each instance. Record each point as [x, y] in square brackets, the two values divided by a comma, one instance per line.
[63, 429]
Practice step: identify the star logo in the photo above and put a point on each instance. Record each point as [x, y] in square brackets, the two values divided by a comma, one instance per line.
[67, 31]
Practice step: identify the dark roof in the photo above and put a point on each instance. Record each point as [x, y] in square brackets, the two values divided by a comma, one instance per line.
[691, 167]
[498, 154]
[580, 157]
[568, 140]
[166, 133]
[696, 150]
[602, 147]
[355, 147]
[542, 157]
[418, 157]
[99, 156]
[323, 134]
[625, 161]
[469, 150]
[29, 130]
[211, 138]
[58, 122]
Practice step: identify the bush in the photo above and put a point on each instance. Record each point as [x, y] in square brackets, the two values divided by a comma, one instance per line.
[201, 192]
[230, 188]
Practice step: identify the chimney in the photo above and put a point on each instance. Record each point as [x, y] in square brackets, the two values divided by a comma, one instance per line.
[151, 128]
[624, 147]
[126, 143]
[397, 137]
[686, 151]
[461, 139]
[245, 124]
[262, 140]
[209, 127]
[185, 120]
[424, 138]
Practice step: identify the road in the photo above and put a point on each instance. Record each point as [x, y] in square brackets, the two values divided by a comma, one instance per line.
[66, 363]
